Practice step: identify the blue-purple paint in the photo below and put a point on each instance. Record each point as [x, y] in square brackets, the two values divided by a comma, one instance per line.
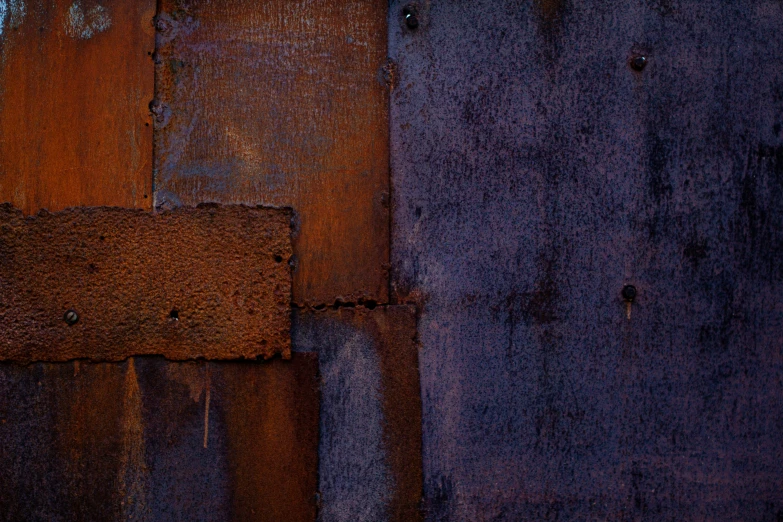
[535, 173]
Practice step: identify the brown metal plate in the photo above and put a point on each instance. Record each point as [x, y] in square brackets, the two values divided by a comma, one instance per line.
[371, 421]
[283, 102]
[154, 440]
[210, 282]
[76, 79]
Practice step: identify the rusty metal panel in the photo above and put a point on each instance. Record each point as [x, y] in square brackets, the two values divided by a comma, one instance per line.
[76, 80]
[538, 167]
[149, 439]
[211, 282]
[370, 445]
[283, 103]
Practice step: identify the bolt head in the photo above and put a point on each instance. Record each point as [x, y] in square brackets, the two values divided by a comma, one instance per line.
[409, 13]
[629, 292]
[638, 63]
[71, 317]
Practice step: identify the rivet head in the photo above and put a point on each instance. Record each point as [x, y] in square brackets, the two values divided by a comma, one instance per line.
[638, 63]
[410, 15]
[628, 293]
[71, 317]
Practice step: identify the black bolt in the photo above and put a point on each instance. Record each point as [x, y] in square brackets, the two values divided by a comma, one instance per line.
[629, 293]
[638, 63]
[71, 317]
[409, 13]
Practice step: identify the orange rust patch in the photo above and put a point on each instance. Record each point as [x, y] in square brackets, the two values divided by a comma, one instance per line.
[271, 423]
[76, 80]
[283, 102]
[211, 282]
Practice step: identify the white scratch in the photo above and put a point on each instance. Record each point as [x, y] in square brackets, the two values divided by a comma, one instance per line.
[85, 24]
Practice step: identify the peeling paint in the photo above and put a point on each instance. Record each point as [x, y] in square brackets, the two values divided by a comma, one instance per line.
[84, 24]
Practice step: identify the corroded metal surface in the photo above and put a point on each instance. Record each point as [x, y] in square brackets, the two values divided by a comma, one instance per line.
[76, 79]
[535, 173]
[149, 439]
[370, 447]
[282, 102]
[210, 282]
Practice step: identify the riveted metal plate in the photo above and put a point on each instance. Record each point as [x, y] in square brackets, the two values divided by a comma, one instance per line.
[208, 282]
[282, 102]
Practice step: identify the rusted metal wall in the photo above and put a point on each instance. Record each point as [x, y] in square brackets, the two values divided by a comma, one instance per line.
[149, 439]
[535, 174]
[286, 103]
[76, 79]
[145, 439]
[107, 283]
[282, 103]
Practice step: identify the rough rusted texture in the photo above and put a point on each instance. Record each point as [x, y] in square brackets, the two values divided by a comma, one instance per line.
[370, 448]
[534, 174]
[125, 441]
[209, 282]
[76, 79]
[282, 102]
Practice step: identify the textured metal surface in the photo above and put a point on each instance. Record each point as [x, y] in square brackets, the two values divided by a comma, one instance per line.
[370, 442]
[535, 174]
[282, 103]
[76, 79]
[149, 439]
[211, 282]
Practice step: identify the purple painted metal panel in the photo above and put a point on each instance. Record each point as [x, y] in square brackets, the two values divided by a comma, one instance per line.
[534, 174]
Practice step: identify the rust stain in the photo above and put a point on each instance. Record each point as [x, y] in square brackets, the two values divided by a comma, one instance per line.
[391, 332]
[84, 433]
[283, 102]
[271, 418]
[209, 282]
[121, 441]
[551, 11]
[133, 477]
[76, 78]
[394, 331]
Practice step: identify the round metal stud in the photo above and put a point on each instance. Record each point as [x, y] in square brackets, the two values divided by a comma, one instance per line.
[638, 63]
[409, 13]
[71, 317]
